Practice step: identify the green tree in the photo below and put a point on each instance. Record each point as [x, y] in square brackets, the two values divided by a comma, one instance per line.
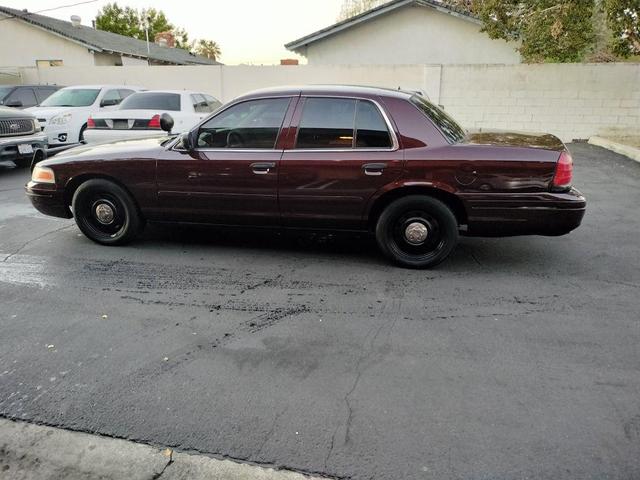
[116, 19]
[132, 23]
[623, 17]
[208, 48]
[182, 39]
[156, 21]
[547, 30]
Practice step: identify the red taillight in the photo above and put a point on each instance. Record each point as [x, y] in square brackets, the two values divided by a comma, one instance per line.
[154, 122]
[564, 171]
[91, 123]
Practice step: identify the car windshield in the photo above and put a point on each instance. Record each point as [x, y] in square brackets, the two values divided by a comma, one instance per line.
[447, 125]
[72, 97]
[151, 101]
[4, 91]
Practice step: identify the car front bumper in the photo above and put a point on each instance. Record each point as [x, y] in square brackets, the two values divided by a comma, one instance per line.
[48, 200]
[503, 215]
[9, 146]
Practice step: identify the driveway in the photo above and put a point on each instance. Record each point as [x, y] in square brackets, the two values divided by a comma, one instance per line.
[517, 358]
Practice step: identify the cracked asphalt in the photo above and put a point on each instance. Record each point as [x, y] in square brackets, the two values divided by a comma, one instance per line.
[517, 358]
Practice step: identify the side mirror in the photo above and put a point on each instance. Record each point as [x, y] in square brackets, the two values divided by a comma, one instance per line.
[14, 103]
[109, 102]
[166, 122]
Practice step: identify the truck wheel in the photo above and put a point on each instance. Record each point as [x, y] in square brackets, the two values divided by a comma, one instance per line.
[106, 213]
[417, 231]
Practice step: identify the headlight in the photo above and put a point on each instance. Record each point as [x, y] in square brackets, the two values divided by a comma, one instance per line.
[61, 119]
[36, 126]
[43, 175]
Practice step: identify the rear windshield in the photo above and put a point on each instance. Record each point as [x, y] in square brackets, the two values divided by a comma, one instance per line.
[447, 125]
[72, 97]
[151, 101]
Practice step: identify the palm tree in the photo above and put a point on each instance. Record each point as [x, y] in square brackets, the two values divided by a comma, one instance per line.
[208, 48]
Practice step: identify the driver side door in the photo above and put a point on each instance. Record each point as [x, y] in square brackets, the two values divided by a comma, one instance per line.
[230, 177]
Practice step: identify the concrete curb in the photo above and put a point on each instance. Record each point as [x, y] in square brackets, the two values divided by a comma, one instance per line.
[627, 150]
[37, 452]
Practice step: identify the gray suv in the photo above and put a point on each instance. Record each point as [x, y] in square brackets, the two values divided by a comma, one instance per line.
[21, 138]
[25, 96]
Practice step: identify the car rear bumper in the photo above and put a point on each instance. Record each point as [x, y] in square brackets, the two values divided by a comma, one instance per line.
[48, 200]
[503, 215]
[102, 136]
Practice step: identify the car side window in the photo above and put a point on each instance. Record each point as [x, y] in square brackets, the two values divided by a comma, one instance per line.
[111, 97]
[213, 103]
[342, 123]
[253, 124]
[371, 128]
[124, 93]
[23, 95]
[43, 93]
[199, 103]
[327, 123]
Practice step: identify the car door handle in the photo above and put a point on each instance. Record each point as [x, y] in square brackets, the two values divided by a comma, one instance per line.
[262, 168]
[374, 169]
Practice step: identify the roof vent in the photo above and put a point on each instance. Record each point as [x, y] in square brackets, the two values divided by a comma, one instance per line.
[76, 21]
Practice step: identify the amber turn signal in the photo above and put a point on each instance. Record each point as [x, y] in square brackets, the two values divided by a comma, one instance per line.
[43, 175]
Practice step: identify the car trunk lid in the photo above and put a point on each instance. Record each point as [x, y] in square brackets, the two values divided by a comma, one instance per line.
[503, 138]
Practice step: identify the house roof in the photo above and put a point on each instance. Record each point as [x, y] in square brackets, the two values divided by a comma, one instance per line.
[108, 42]
[375, 12]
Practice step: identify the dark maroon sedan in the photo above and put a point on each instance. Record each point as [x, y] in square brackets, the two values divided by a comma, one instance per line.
[322, 158]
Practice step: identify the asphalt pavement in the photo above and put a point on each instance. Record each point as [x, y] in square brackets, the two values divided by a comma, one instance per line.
[516, 358]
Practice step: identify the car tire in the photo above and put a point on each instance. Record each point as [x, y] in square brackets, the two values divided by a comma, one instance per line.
[106, 213]
[81, 134]
[417, 231]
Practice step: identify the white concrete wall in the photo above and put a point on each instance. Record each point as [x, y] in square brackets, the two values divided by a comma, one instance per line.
[22, 44]
[573, 101]
[411, 35]
[227, 82]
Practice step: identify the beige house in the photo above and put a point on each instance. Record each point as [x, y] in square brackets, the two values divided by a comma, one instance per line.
[405, 32]
[28, 40]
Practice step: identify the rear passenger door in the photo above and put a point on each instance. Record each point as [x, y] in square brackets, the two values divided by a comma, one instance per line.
[345, 150]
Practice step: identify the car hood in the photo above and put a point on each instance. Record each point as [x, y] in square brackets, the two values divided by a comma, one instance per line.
[14, 113]
[503, 138]
[49, 112]
[103, 151]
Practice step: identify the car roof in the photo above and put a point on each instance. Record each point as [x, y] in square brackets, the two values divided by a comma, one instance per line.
[104, 86]
[179, 92]
[31, 85]
[339, 90]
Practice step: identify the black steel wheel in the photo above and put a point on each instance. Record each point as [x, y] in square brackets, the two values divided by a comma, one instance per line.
[417, 231]
[106, 213]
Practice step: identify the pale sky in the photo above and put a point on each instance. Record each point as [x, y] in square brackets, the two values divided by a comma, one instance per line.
[248, 31]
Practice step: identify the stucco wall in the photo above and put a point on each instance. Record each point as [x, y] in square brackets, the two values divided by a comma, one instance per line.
[573, 101]
[411, 35]
[22, 45]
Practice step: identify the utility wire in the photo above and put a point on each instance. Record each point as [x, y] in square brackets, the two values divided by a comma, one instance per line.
[10, 17]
